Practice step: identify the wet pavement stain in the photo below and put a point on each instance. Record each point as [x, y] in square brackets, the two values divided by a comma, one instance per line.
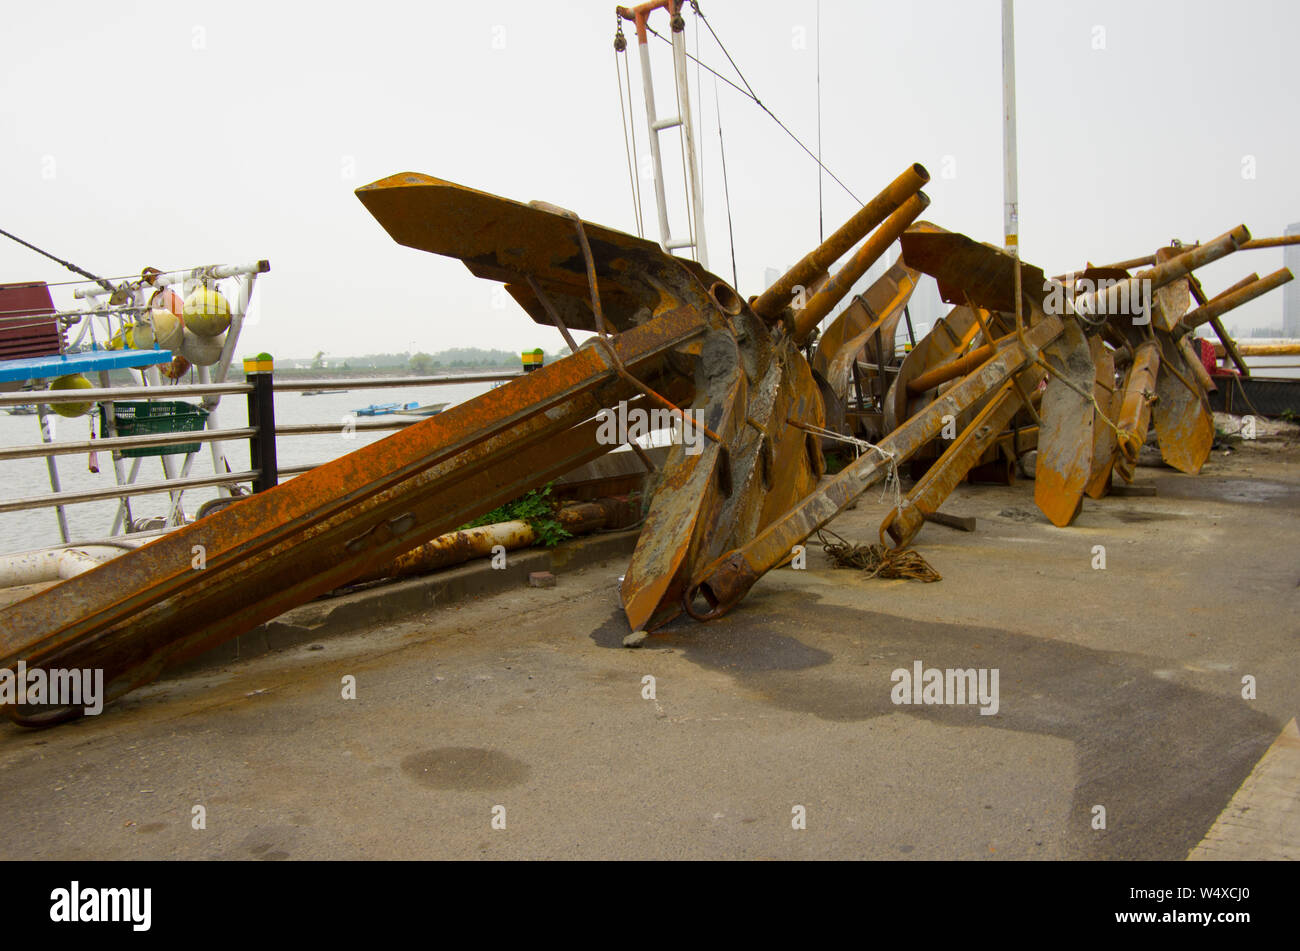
[729, 648]
[1163, 757]
[464, 768]
[1132, 516]
[1209, 488]
[1021, 515]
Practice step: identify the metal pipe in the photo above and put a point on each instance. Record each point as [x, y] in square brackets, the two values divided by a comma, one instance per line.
[647, 86]
[692, 159]
[454, 548]
[55, 564]
[356, 425]
[382, 382]
[1135, 407]
[107, 394]
[1226, 302]
[817, 262]
[955, 368]
[1271, 350]
[842, 282]
[1106, 300]
[1225, 339]
[101, 394]
[150, 441]
[1145, 261]
[215, 272]
[1010, 191]
[47, 436]
[1254, 244]
[212, 421]
[1199, 293]
[139, 488]
[1282, 242]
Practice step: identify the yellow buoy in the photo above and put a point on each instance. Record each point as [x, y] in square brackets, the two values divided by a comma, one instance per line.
[207, 312]
[73, 381]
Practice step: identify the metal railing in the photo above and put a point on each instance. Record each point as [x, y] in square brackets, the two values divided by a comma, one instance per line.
[262, 432]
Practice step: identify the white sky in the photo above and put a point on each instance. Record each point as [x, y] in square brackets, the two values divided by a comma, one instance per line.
[181, 133]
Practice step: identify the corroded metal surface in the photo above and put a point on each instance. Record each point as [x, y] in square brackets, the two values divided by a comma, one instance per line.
[865, 330]
[1107, 397]
[962, 454]
[1065, 433]
[247, 563]
[726, 508]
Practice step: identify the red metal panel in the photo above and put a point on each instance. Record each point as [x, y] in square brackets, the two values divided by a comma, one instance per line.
[28, 327]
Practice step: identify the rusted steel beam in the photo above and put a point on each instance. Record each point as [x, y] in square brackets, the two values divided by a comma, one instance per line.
[772, 302]
[962, 453]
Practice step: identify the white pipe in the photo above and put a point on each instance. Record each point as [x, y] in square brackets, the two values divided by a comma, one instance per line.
[214, 272]
[47, 435]
[688, 130]
[647, 85]
[1011, 200]
[217, 447]
[56, 564]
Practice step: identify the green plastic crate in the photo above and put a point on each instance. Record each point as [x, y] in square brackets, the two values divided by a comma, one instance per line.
[161, 416]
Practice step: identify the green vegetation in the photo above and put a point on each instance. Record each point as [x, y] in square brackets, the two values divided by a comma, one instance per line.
[457, 358]
[536, 508]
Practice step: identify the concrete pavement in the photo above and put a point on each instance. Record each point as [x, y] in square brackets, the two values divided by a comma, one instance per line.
[1119, 688]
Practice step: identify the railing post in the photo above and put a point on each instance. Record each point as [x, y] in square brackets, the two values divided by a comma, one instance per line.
[261, 417]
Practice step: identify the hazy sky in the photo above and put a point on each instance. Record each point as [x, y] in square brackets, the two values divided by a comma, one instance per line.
[175, 134]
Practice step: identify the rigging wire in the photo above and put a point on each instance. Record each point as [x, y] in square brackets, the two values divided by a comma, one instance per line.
[699, 97]
[629, 151]
[726, 189]
[686, 177]
[103, 282]
[749, 93]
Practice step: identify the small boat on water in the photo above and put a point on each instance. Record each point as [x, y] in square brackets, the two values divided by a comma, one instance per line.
[428, 409]
[386, 409]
